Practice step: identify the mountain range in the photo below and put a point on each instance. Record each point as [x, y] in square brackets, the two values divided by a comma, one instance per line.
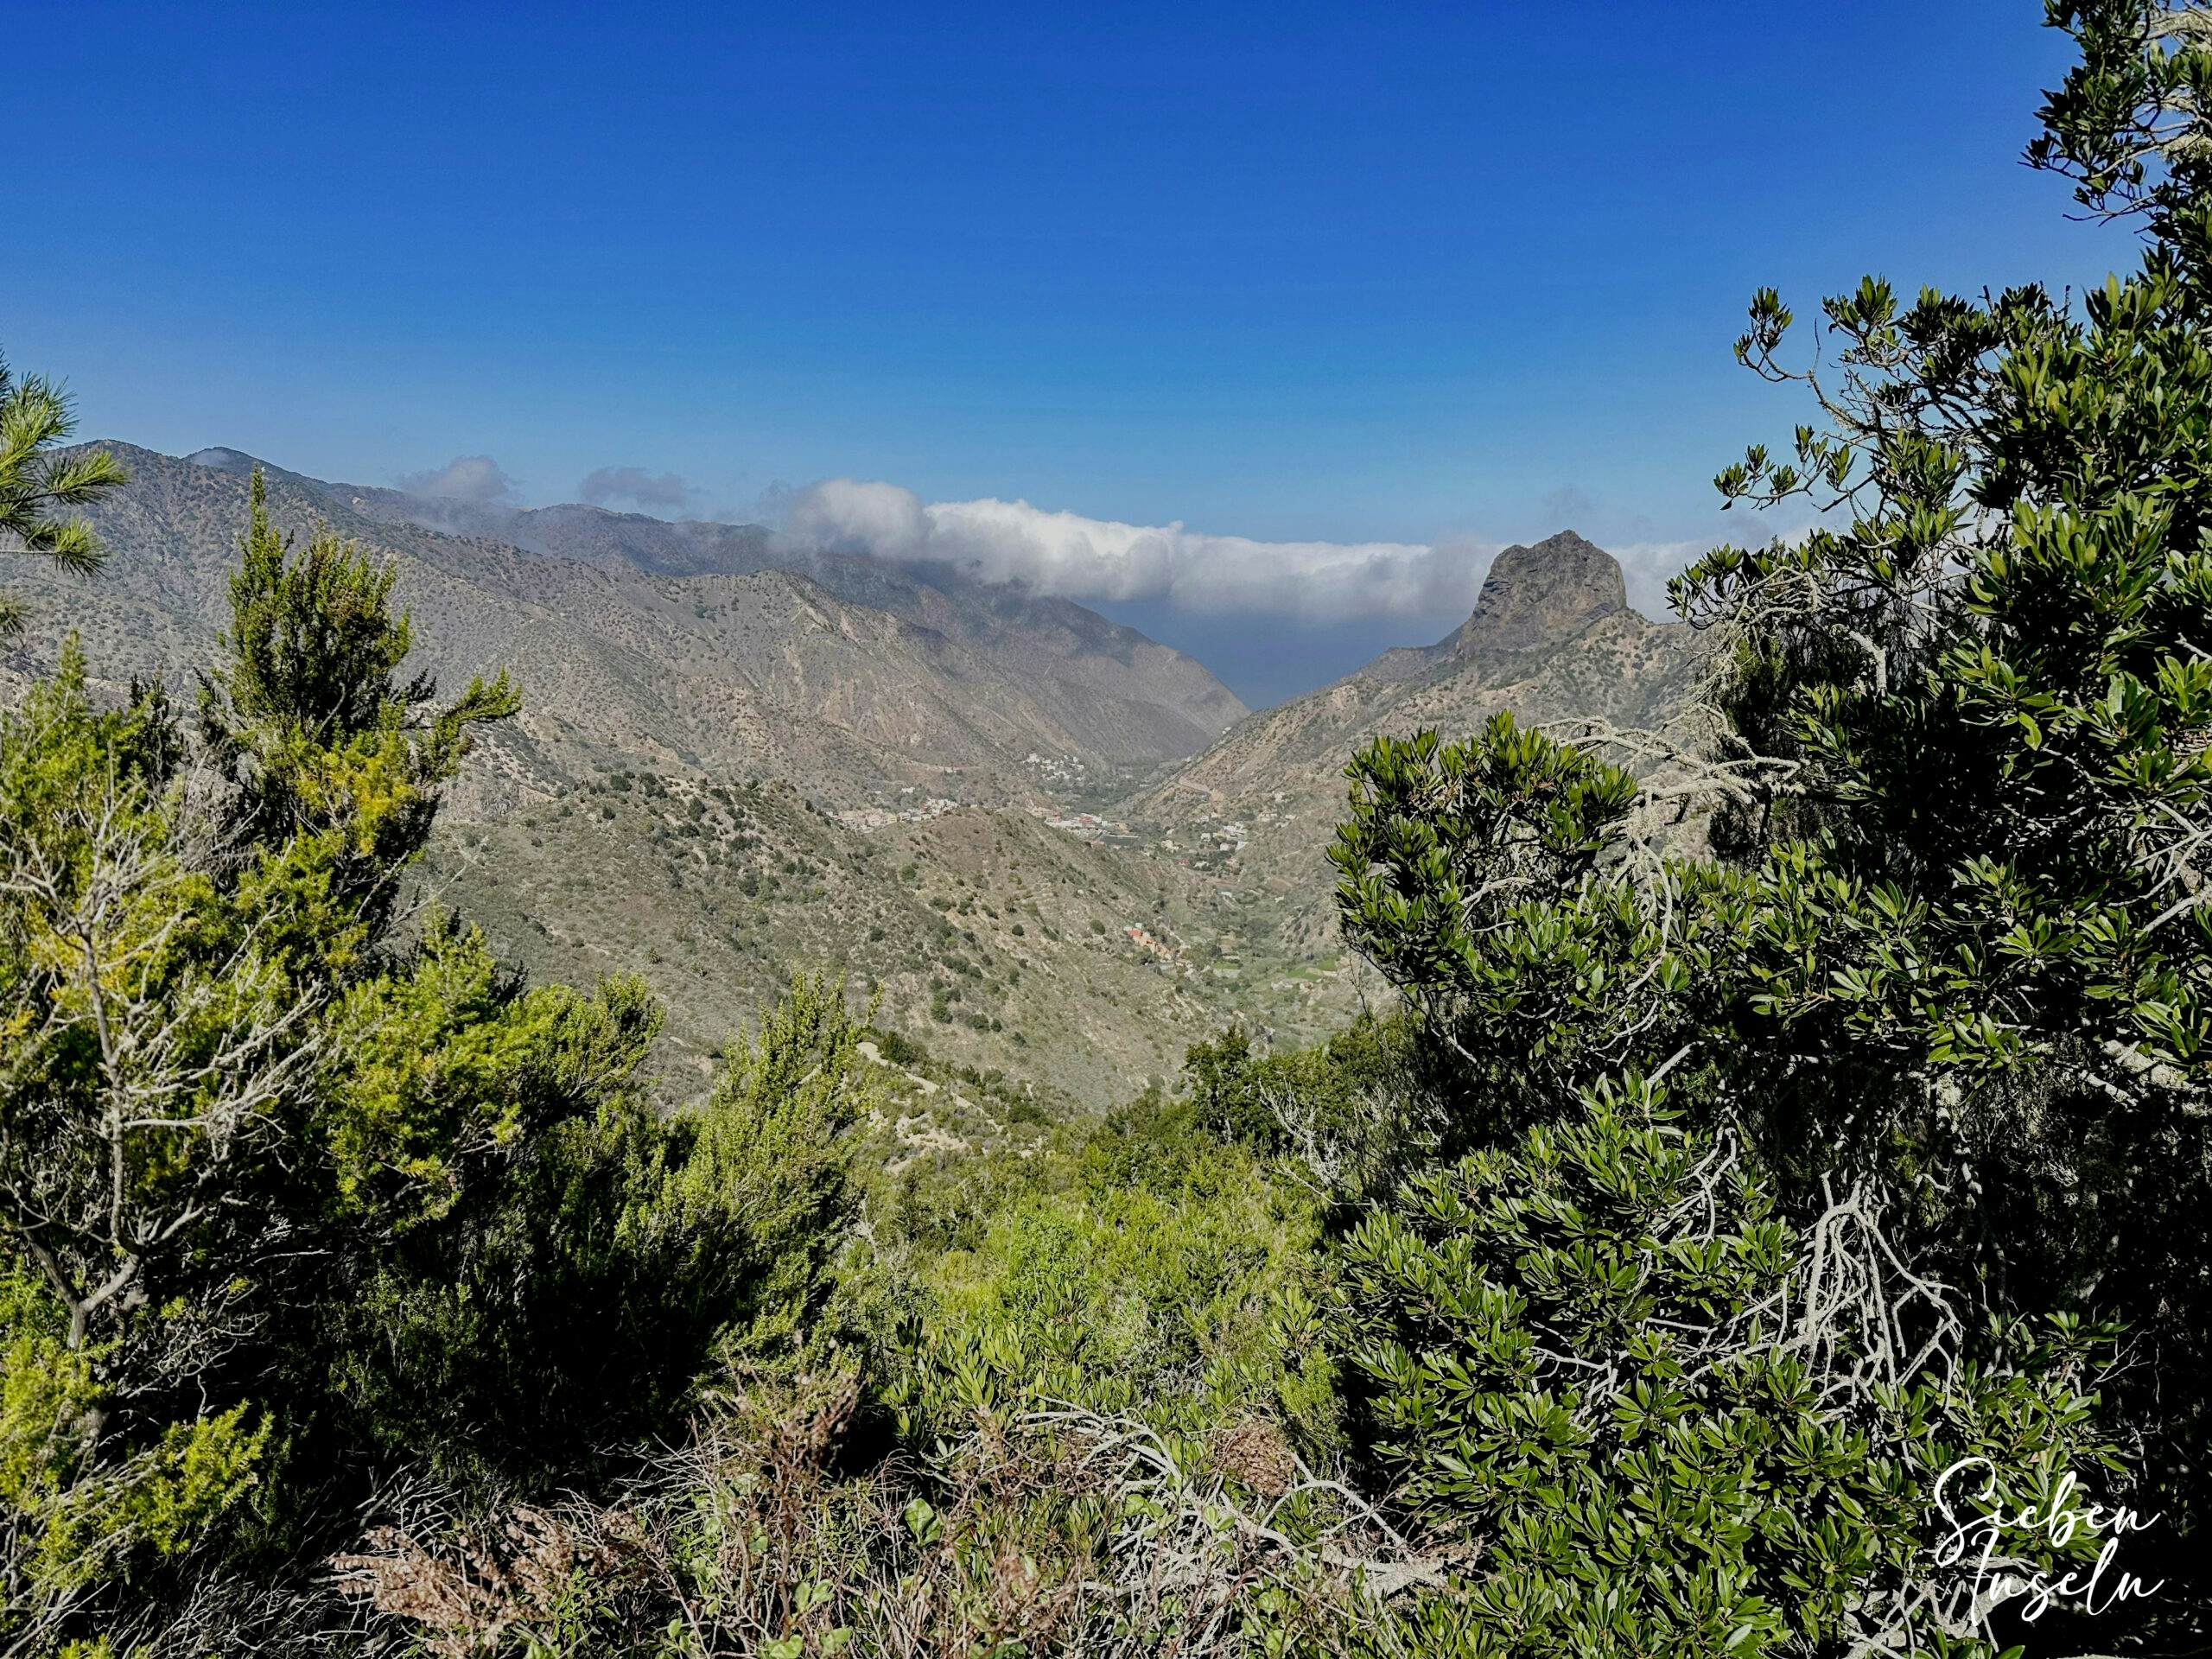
[687, 645]
[1047, 845]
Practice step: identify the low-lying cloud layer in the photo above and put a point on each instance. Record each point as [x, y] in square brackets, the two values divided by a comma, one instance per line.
[464, 477]
[648, 491]
[1065, 554]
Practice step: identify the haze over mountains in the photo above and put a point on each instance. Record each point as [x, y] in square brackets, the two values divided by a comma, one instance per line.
[642, 639]
[1049, 845]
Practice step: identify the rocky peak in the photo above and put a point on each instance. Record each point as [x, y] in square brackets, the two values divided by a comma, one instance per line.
[1542, 595]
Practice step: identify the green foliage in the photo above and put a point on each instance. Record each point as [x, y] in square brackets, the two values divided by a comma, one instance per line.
[1951, 956]
[122, 1046]
[1327, 1092]
[1986, 719]
[1587, 1351]
[341, 769]
[899, 1049]
[540, 1321]
[1632, 1289]
[753, 1191]
[1153, 1268]
[66, 1519]
[478, 1133]
[449, 1063]
[39, 488]
[1484, 879]
[290, 1202]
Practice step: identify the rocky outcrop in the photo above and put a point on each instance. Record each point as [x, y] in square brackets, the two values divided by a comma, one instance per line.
[1551, 636]
[1537, 597]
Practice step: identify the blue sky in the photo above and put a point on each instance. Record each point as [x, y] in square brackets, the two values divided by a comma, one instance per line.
[1451, 275]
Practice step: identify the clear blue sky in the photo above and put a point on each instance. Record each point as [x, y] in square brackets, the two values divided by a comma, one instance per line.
[1354, 273]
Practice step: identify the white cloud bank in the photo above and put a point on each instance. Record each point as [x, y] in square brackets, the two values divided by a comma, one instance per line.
[464, 477]
[1065, 554]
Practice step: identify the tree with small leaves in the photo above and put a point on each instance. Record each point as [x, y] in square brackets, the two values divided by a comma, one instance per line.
[295, 1195]
[41, 488]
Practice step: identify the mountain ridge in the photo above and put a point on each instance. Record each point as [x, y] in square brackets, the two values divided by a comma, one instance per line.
[1053, 633]
[729, 776]
[949, 761]
[969, 681]
[1552, 636]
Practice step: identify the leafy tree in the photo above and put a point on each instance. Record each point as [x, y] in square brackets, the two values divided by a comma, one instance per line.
[1487, 880]
[752, 1198]
[1977, 707]
[1654, 1417]
[291, 1198]
[337, 758]
[529, 1324]
[1952, 959]
[1321, 1102]
[149, 1044]
[39, 488]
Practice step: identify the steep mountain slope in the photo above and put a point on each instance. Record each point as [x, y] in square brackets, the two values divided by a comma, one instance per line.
[1552, 636]
[710, 659]
[1000, 942]
[666, 802]
[1119, 696]
[729, 770]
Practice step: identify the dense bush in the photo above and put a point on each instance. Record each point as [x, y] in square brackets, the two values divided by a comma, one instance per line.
[1158, 1271]
[1661, 1418]
[1948, 963]
[1325, 1095]
[296, 1202]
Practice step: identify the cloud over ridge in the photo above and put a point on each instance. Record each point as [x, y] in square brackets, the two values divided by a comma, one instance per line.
[464, 477]
[1075, 557]
[644, 489]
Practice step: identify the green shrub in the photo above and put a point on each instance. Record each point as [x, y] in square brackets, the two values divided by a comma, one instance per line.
[1171, 1276]
[294, 1203]
[1670, 1421]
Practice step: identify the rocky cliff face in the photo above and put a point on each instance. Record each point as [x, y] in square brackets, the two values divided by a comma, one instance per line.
[1532, 599]
[1552, 636]
[1536, 597]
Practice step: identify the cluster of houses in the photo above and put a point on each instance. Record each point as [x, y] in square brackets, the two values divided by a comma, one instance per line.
[1051, 769]
[879, 818]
